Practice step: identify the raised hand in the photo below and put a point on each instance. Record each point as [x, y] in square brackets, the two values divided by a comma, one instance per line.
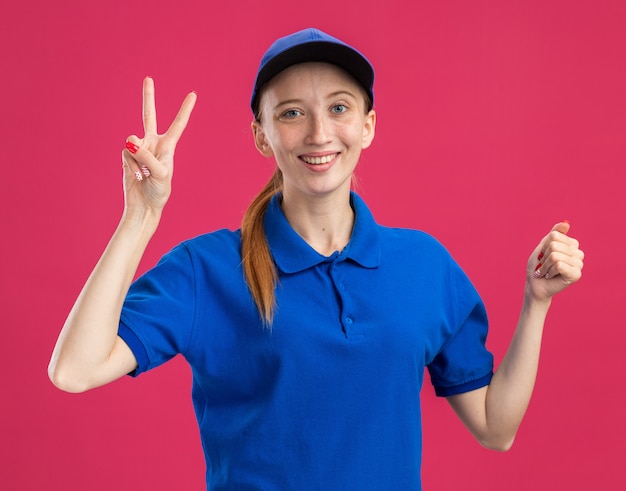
[148, 162]
[89, 352]
[556, 263]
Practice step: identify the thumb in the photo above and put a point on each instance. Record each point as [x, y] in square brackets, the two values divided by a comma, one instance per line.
[563, 226]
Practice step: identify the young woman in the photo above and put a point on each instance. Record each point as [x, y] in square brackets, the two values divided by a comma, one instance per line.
[308, 330]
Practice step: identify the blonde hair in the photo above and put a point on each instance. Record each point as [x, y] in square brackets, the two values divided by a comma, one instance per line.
[258, 264]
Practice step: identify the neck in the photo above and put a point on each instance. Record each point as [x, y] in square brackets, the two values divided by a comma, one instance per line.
[325, 223]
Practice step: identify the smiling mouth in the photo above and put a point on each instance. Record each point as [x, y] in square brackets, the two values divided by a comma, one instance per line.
[319, 160]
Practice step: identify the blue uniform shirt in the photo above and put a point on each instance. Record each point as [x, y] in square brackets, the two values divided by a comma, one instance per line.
[328, 399]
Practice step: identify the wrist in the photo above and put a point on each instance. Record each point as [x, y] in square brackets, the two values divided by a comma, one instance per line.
[141, 214]
[141, 219]
[534, 303]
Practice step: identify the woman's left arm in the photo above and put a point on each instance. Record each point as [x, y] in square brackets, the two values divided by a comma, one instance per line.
[493, 413]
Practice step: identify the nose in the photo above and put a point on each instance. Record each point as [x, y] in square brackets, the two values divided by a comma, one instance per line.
[318, 130]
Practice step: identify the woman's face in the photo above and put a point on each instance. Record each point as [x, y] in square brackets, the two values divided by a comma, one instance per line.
[314, 122]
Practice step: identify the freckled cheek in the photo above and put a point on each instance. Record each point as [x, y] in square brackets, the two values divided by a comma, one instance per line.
[286, 147]
[352, 138]
[291, 140]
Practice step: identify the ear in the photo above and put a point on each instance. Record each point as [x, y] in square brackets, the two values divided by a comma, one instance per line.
[260, 141]
[369, 128]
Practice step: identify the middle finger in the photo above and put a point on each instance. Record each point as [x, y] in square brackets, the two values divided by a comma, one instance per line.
[149, 107]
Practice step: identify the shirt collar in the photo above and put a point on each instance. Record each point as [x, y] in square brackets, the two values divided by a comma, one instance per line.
[292, 254]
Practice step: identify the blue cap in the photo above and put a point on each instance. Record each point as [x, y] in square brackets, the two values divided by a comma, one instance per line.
[312, 45]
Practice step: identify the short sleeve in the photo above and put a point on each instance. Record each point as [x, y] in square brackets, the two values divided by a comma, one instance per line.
[158, 313]
[464, 363]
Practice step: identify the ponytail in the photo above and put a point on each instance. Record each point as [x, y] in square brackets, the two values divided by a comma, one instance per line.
[258, 264]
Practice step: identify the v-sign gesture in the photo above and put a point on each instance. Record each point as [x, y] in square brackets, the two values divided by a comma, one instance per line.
[149, 161]
[89, 353]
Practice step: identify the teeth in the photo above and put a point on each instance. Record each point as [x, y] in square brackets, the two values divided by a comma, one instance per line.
[319, 160]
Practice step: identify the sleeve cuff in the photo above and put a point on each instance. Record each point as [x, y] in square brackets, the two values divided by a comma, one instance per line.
[136, 346]
[466, 387]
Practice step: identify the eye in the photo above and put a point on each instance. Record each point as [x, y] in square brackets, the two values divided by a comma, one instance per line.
[339, 108]
[291, 113]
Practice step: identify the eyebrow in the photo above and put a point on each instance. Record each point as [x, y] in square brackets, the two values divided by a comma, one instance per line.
[332, 95]
[287, 102]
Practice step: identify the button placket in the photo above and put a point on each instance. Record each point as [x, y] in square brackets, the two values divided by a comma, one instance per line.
[347, 315]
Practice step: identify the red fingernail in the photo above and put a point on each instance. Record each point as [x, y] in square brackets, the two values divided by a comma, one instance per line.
[132, 148]
[540, 256]
[538, 266]
[565, 221]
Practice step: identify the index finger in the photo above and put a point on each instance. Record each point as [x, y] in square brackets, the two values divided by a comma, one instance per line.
[182, 118]
[149, 107]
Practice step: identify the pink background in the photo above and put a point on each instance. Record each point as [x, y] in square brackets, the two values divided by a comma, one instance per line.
[495, 120]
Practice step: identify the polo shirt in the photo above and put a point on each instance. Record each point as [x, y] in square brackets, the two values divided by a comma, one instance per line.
[329, 397]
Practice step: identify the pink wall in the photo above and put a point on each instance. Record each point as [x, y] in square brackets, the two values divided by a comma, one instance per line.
[495, 120]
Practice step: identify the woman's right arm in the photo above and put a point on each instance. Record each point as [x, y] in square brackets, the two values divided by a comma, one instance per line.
[88, 352]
